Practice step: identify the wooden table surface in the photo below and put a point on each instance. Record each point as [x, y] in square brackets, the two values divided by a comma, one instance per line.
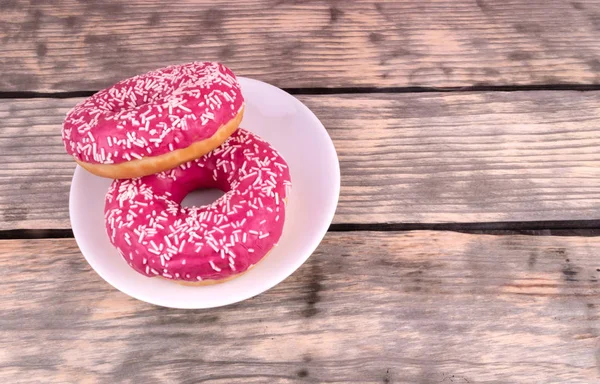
[465, 246]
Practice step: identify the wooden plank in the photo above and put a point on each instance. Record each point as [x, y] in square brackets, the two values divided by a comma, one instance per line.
[73, 45]
[405, 158]
[368, 307]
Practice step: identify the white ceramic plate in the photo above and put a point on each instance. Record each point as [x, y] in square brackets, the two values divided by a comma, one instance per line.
[300, 137]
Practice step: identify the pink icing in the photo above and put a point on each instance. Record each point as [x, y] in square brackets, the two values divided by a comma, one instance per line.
[153, 113]
[158, 237]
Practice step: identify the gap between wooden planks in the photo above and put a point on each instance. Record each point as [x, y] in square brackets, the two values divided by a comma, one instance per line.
[367, 307]
[405, 158]
[73, 45]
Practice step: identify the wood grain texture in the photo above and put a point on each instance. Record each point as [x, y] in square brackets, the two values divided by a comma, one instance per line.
[413, 307]
[74, 45]
[405, 158]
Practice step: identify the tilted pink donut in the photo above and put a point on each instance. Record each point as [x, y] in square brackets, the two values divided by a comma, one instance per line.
[158, 237]
[153, 114]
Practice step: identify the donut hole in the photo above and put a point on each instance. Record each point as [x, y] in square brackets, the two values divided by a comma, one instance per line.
[162, 93]
[204, 196]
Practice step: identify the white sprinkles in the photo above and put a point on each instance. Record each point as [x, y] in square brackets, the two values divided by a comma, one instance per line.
[217, 240]
[150, 114]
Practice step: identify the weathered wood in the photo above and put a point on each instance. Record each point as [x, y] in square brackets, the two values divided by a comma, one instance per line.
[415, 307]
[405, 158]
[74, 45]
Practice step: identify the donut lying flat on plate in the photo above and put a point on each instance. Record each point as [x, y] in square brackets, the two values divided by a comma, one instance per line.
[158, 237]
[155, 121]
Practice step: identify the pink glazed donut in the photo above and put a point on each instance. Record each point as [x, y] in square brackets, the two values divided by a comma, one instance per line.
[155, 121]
[158, 237]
